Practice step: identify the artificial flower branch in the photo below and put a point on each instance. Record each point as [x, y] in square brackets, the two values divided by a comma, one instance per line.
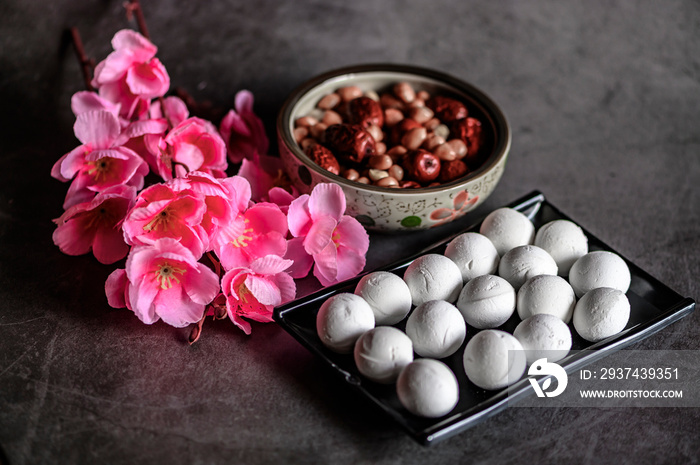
[86, 64]
[133, 9]
[258, 233]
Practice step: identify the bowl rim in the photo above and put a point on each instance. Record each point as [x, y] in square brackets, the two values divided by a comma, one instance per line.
[490, 109]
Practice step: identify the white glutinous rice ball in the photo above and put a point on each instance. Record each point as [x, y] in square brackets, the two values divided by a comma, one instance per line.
[543, 336]
[433, 277]
[474, 254]
[599, 269]
[524, 262]
[387, 294]
[342, 319]
[382, 352]
[507, 228]
[487, 301]
[564, 241]
[494, 359]
[436, 328]
[601, 313]
[427, 388]
[546, 294]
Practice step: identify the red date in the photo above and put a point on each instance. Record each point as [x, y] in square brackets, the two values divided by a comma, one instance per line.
[421, 166]
[323, 158]
[451, 170]
[447, 109]
[403, 137]
[350, 142]
[365, 112]
[469, 131]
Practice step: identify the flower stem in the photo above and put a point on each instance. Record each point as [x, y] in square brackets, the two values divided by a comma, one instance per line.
[197, 330]
[86, 63]
[133, 9]
[215, 262]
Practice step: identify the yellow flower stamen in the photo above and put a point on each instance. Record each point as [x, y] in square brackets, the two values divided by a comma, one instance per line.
[165, 275]
[99, 168]
[243, 293]
[245, 237]
[161, 220]
[335, 237]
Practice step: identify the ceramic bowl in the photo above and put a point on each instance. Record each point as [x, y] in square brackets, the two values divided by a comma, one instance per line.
[395, 209]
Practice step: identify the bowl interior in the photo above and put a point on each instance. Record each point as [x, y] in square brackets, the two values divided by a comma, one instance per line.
[495, 130]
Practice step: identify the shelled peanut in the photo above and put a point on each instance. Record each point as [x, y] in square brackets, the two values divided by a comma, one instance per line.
[401, 138]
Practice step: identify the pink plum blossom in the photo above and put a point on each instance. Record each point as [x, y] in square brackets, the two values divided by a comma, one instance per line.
[163, 212]
[243, 131]
[173, 109]
[96, 225]
[99, 163]
[142, 137]
[264, 173]
[255, 291]
[337, 242]
[193, 145]
[263, 232]
[165, 281]
[221, 200]
[131, 75]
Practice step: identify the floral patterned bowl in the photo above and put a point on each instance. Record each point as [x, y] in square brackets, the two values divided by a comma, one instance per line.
[393, 209]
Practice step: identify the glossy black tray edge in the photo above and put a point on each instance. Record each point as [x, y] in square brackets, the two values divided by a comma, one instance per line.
[457, 422]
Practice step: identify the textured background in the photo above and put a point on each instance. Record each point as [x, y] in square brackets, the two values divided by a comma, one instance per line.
[604, 103]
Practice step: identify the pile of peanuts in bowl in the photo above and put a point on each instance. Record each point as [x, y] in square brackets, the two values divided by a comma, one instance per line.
[401, 138]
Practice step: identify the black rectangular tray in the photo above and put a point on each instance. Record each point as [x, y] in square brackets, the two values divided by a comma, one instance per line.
[653, 307]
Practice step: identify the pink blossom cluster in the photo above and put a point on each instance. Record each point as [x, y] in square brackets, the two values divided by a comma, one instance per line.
[197, 241]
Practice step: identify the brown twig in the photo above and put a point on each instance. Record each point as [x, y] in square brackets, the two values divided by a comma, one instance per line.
[86, 63]
[196, 331]
[134, 10]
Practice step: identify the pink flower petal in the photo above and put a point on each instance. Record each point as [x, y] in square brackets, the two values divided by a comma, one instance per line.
[326, 265]
[327, 200]
[148, 126]
[175, 110]
[175, 309]
[281, 197]
[148, 80]
[141, 298]
[319, 235]
[259, 180]
[269, 265]
[203, 286]
[241, 187]
[350, 264]
[232, 257]
[141, 48]
[98, 128]
[74, 237]
[299, 217]
[238, 321]
[302, 260]
[113, 67]
[116, 288]
[264, 290]
[69, 164]
[286, 285]
[352, 235]
[85, 101]
[109, 246]
[244, 101]
[267, 217]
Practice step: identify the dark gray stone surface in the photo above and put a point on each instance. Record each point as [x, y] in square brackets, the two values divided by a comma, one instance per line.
[604, 102]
